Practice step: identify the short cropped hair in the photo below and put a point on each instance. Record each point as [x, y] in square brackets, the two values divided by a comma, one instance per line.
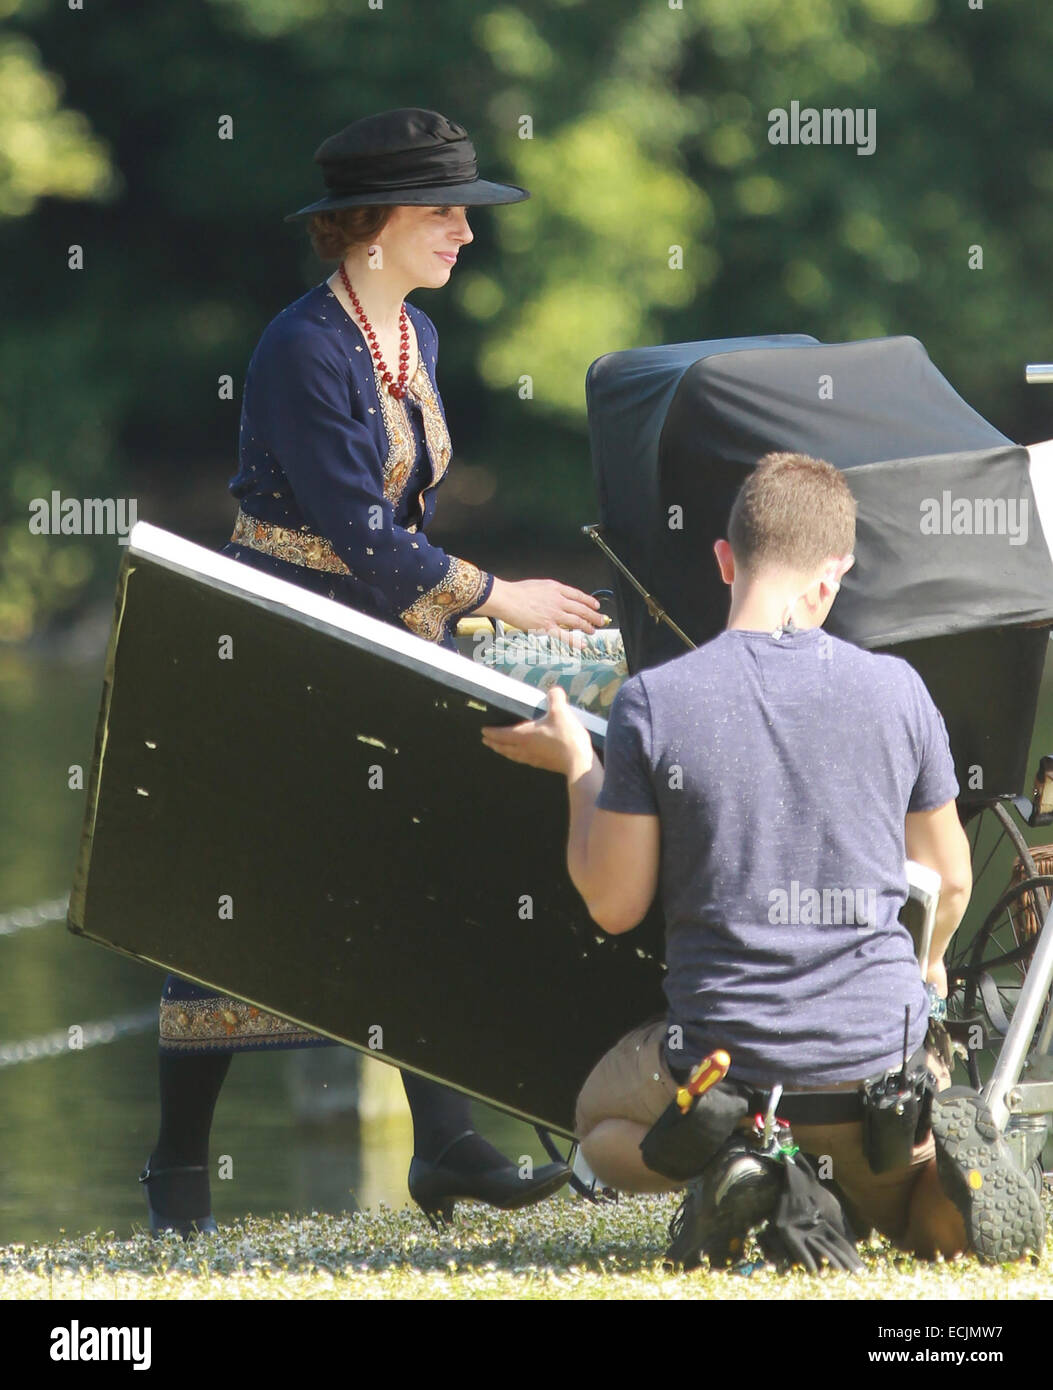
[333, 234]
[792, 512]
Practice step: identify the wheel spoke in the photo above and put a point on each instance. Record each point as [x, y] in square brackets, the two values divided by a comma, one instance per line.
[986, 864]
[995, 957]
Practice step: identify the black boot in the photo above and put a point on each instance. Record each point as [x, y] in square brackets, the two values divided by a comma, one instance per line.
[452, 1162]
[175, 1179]
[178, 1186]
[437, 1184]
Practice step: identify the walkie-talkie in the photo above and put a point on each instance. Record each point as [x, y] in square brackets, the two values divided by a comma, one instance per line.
[892, 1113]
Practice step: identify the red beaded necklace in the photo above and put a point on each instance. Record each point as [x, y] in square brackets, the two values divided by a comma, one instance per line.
[396, 389]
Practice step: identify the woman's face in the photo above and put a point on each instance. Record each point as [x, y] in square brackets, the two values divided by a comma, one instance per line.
[422, 243]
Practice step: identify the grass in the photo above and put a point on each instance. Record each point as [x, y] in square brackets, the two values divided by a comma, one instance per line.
[564, 1249]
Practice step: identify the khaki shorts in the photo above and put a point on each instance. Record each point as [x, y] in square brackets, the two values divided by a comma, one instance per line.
[632, 1082]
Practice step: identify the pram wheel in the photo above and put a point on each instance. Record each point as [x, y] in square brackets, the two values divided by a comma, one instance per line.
[1037, 1177]
[582, 1180]
[990, 971]
[986, 968]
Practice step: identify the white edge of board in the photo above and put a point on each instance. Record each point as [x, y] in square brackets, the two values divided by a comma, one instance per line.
[472, 677]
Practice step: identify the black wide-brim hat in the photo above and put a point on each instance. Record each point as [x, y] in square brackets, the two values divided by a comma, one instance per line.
[408, 155]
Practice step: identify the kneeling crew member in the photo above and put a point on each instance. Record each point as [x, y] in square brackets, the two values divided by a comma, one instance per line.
[772, 783]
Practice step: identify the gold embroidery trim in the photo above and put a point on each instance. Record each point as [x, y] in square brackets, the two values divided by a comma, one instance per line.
[298, 547]
[462, 587]
[398, 466]
[186, 1022]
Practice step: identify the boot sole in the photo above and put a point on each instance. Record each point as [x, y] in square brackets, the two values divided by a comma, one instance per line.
[1002, 1212]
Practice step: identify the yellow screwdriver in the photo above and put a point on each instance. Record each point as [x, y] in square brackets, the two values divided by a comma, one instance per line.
[709, 1071]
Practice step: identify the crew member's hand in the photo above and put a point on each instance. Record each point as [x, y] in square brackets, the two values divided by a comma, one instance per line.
[543, 605]
[556, 743]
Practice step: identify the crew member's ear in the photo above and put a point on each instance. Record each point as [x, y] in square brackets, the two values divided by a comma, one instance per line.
[833, 575]
[725, 561]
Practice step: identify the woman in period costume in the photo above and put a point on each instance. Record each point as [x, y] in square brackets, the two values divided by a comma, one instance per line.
[342, 448]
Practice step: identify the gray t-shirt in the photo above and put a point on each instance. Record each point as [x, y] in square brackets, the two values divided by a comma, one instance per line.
[781, 770]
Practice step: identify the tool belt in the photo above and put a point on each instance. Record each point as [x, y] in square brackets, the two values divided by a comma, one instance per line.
[893, 1108]
[814, 1107]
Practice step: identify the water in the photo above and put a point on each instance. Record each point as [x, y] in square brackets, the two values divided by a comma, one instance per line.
[75, 1128]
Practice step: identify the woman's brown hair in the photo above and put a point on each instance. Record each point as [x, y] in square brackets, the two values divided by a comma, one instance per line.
[334, 233]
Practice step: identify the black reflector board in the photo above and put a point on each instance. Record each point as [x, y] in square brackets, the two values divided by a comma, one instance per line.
[290, 802]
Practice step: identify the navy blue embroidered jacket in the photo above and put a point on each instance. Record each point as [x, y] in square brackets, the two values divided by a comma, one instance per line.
[337, 479]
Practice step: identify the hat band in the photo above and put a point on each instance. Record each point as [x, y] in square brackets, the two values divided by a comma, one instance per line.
[403, 169]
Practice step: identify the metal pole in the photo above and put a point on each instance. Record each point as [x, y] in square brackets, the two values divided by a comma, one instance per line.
[1018, 1040]
[1040, 374]
[653, 606]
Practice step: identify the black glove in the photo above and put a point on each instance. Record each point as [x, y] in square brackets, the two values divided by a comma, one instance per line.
[808, 1227]
[679, 1146]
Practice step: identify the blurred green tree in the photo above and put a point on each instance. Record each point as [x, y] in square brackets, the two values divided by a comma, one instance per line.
[660, 212]
[47, 150]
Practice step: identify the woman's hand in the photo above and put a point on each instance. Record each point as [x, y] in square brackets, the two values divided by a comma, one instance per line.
[542, 605]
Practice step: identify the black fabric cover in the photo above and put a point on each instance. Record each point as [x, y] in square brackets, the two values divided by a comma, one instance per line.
[681, 426]
[630, 396]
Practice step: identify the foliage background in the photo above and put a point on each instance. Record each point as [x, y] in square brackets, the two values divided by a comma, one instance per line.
[649, 129]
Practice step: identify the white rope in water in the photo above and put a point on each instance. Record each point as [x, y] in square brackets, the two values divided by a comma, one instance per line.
[64, 1041]
[23, 918]
[80, 1035]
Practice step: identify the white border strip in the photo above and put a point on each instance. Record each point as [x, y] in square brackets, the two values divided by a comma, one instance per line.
[1041, 457]
[176, 553]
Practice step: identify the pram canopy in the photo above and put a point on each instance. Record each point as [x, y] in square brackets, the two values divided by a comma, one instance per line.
[952, 565]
